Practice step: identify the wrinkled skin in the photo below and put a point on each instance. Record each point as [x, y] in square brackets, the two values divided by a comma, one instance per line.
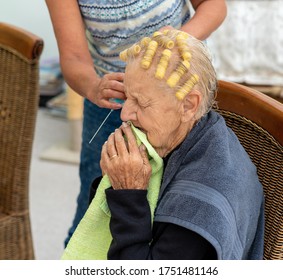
[130, 169]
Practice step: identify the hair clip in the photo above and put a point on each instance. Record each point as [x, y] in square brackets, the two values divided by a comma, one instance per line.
[163, 64]
[163, 40]
[187, 87]
[132, 51]
[174, 78]
[123, 55]
[184, 50]
[182, 36]
[150, 52]
[145, 41]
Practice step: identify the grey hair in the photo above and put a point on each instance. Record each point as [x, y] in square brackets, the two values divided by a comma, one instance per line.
[200, 65]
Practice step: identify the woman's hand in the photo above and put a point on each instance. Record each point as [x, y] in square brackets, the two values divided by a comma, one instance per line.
[110, 86]
[126, 164]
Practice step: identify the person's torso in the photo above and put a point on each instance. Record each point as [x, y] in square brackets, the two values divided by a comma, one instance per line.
[114, 25]
[211, 186]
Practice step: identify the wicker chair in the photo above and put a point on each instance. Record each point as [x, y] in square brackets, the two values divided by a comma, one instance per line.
[19, 58]
[257, 120]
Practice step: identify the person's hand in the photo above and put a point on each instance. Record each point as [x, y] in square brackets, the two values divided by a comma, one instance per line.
[126, 164]
[110, 86]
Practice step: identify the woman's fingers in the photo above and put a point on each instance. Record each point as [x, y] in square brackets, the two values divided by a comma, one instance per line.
[104, 159]
[132, 142]
[114, 82]
[116, 145]
[110, 87]
[118, 76]
[125, 163]
[111, 149]
[122, 142]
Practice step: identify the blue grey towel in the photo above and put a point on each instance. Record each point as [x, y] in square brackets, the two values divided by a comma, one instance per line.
[211, 186]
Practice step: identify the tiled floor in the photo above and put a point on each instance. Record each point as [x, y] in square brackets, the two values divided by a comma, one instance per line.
[53, 188]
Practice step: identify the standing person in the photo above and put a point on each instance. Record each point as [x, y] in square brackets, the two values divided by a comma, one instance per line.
[90, 35]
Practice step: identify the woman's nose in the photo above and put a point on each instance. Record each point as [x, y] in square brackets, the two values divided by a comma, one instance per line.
[128, 112]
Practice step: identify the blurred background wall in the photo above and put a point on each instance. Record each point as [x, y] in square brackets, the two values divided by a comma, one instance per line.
[247, 48]
[33, 16]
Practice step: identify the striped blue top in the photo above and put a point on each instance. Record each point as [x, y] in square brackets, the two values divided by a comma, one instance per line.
[115, 25]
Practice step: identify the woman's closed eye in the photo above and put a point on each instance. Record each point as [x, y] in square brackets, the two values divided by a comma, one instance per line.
[140, 103]
[143, 105]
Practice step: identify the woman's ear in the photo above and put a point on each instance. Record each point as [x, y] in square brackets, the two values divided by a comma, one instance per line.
[190, 105]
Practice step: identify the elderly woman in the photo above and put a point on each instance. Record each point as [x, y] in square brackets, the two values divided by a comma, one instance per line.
[210, 201]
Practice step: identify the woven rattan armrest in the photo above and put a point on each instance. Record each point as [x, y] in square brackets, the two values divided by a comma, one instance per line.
[26, 43]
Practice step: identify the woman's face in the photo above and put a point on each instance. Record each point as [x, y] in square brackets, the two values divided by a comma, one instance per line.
[153, 110]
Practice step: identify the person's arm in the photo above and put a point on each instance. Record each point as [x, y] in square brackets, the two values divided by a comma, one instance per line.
[75, 59]
[208, 16]
[134, 238]
[129, 171]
